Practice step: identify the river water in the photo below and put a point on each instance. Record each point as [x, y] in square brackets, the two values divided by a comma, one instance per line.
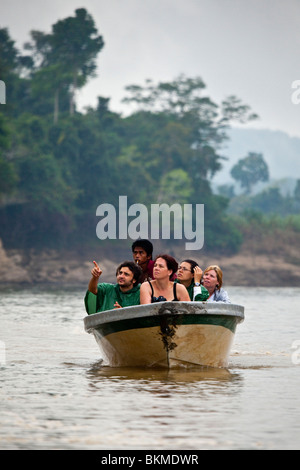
[56, 395]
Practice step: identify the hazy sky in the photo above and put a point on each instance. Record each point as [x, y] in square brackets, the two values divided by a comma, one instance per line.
[249, 48]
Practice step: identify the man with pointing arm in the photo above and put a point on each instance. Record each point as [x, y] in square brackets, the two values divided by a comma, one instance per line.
[105, 296]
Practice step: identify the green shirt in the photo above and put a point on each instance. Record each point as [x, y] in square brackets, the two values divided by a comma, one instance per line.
[199, 297]
[108, 295]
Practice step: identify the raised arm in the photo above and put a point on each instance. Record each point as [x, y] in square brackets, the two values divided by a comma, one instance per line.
[96, 273]
[197, 274]
[199, 292]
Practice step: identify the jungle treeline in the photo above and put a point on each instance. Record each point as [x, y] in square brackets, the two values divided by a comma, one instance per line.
[57, 164]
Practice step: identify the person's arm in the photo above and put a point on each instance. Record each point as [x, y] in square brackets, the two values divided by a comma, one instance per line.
[93, 284]
[145, 293]
[200, 294]
[182, 293]
[197, 274]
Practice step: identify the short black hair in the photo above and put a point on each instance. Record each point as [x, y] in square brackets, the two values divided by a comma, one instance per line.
[134, 268]
[145, 244]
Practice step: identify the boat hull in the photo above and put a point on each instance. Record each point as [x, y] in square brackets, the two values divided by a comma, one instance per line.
[167, 334]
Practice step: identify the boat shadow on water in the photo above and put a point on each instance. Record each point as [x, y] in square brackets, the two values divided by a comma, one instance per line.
[161, 374]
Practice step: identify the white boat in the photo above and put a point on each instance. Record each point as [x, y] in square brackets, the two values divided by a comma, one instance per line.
[166, 334]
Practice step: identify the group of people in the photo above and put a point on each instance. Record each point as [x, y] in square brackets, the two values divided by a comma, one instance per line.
[145, 281]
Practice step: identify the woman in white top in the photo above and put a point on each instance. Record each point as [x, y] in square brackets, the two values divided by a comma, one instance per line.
[213, 281]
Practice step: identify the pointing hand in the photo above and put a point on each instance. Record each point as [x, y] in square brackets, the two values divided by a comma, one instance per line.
[96, 271]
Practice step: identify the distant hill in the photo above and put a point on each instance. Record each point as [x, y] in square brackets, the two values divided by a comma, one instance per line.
[280, 151]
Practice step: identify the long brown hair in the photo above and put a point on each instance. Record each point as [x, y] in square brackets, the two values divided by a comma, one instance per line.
[171, 263]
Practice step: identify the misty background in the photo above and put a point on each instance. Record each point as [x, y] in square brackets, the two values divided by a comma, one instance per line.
[69, 141]
[249, 48]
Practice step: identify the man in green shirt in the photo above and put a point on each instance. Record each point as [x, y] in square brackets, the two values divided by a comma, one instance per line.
[104, 296]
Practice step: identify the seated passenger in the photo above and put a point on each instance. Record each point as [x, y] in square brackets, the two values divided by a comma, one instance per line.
[213, 281]
[162, 288]
[190, 274]
[142, 251]
[104, 296]
[142, 254]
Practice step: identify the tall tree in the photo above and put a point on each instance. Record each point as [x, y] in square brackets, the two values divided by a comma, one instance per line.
[8, 174]
[75, 44]
[65, 58]
[297, 191]
[12, 65]
[193, 128]
[250, 170]
[8, 54]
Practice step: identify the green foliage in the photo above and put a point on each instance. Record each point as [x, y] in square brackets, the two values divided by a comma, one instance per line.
[250, 170]
[4, 133]
[8, 174]
[8, 54]
[8, 177]
[293, 222]
[58, 165]
[63, 60]
[233, 108]
[176, 185]
[42, 186]
[297, 191]
[269, 201]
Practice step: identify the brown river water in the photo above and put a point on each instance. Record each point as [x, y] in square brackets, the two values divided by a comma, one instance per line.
[56, 394]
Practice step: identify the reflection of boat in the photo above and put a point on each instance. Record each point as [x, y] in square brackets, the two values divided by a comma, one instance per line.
[166, 334]
[160, 375]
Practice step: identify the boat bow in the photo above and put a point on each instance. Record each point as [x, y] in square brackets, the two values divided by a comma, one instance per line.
[166, 334]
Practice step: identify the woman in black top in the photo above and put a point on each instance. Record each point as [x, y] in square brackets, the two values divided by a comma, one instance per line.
[162, 288]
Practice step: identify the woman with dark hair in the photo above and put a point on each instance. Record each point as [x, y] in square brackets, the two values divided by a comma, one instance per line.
[162, 288]
[190, 274]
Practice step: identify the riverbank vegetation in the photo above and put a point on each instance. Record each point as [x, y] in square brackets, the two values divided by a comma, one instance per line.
[57, 165]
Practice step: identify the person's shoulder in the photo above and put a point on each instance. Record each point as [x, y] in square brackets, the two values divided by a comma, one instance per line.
[222, 291]
[222, 295]
[136, 288]
[182, 293]
[145, 285]
[180, 287]
[106, 286]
